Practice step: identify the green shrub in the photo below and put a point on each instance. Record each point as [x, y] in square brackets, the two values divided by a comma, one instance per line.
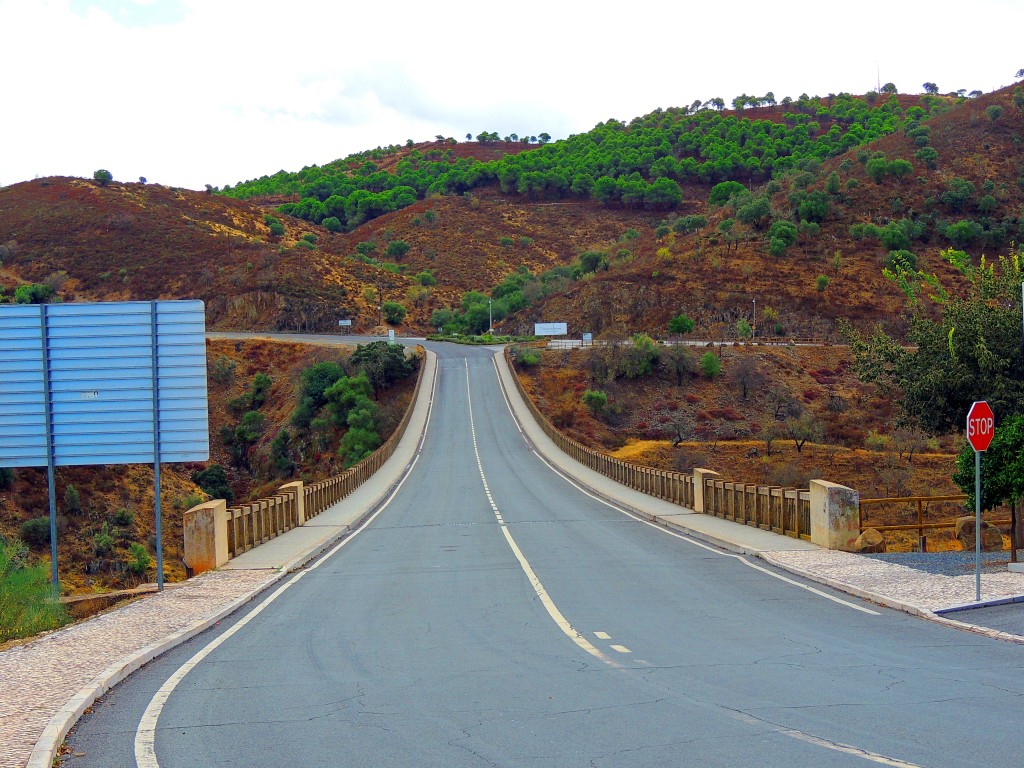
[529, 358]
[710, 365]
[222, 370]
[35, 532]
[138, 559]
[639, 358]
[103, 542]
[6, 478]
[72, 501]
[902, 261]
[26, 606]
[595, 400]
[822, 283]
[214, 482]
[426, 277]
[394, 313]
[275, 225]
[123, 518]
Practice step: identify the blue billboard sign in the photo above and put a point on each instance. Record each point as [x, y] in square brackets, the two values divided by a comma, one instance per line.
[104, 383]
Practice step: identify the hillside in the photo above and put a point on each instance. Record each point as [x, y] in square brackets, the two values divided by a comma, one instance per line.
[858, 178]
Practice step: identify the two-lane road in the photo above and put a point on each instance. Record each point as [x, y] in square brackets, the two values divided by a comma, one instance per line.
[493, 614]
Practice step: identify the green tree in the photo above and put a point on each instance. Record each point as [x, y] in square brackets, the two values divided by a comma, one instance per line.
[725, 191]
[33, 293]
[332, 224]
[639, 358]
[1002, 466]
[103, 177]
[397, 249]
[356, 444]
[994, 112]
[681, 325]
[972, 353]
[931, 88]
[383, 363]
[214, 482]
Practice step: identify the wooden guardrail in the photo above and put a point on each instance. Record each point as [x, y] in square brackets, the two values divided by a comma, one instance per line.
[922, 504]
[771, 508]
[258, 521]
[782, 510]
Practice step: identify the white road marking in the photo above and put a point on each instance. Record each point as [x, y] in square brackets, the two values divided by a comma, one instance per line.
[621, 649]
[817, 741]
[549, 605]
[572, 481]
[602, 636]
[145, 734]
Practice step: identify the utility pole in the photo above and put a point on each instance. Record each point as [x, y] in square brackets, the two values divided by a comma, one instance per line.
[753, 330]
[490, 316]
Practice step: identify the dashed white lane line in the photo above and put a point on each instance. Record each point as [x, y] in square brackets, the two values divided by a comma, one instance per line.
[582, 489]
[602, 636]
[621, 649]
[549, 605]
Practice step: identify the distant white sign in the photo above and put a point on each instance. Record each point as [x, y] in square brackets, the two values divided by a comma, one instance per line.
[391, 335]
[550, 329]
[588, 337]
[345, 322]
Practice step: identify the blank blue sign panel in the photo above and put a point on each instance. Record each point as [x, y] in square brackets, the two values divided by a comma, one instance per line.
[88, 370]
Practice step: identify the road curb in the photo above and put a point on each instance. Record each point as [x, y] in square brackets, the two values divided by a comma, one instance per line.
[56, 730]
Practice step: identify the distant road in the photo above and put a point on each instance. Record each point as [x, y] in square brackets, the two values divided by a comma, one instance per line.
[494, 614]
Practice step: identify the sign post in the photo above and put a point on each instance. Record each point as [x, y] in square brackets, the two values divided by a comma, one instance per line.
[980, 430]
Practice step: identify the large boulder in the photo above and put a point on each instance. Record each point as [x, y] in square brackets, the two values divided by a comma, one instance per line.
[991, 538]
[869, 542]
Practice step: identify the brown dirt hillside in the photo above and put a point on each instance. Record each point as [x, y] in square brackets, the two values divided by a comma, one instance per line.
[745, 439]
[104, 491]
[147, 241]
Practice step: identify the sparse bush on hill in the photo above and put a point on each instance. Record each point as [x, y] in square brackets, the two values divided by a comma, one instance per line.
[394, 313]
[35, 532]
[214, 482]
[103, 177]
[710, 365]
[680, 324]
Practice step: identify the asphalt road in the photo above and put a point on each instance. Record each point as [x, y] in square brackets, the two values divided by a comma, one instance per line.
[495, 615]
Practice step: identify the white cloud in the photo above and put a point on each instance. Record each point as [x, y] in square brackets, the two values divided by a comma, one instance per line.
[216, 91]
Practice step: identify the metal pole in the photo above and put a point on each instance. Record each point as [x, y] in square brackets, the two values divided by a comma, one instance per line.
[753, 331]
[51, 482]
[490, 317]
[158, 527]
[977, 526]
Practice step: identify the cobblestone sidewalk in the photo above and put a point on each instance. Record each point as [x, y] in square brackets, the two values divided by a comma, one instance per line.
[40, 677]
[897, 585]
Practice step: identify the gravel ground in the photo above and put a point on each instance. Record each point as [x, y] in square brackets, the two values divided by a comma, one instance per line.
[954, 563]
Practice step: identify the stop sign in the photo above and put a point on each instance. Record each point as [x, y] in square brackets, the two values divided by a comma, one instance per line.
[981, 426]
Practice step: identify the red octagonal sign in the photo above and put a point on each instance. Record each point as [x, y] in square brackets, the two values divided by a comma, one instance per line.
[981, 426]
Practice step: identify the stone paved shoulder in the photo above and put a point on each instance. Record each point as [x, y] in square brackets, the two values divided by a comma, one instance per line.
[41, 676]
[901, 585]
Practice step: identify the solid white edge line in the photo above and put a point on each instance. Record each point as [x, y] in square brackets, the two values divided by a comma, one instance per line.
[582, 489]
[145, 733]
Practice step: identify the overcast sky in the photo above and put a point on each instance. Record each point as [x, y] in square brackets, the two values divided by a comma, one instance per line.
[196, 92]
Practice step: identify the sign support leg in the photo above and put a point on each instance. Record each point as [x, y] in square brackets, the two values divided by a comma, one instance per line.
[977, 526]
